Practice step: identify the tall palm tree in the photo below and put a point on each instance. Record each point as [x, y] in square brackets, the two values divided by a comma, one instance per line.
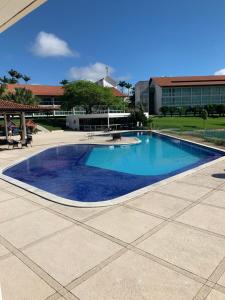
[128, 86]
[64, 82]
[122, 84]
[26, 78]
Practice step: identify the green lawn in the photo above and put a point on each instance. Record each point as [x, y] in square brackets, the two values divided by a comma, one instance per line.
[188, 123]
[52, 123]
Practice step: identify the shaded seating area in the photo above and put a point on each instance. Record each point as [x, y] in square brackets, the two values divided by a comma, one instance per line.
[9, 108]
[116, 136]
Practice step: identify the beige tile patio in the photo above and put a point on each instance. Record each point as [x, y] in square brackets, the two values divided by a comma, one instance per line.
[217, 198]
[4, 195]
[215, 295]
[204, 180]
[187, 248]
[29, 228]
[19, 282]
[184, 190]
[37, 199]
[124, 223]
[14, 208]
[205, 217]
[70, 253]
[135, 277]
[3, 250]
[159, 204]
[16, 190]
[77, 213]
[222, 279]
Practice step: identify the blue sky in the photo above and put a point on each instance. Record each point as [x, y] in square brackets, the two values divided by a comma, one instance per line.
[75, 39]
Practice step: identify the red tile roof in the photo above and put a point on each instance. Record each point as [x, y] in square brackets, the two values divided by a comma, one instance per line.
[189, 80]
[39, 90]
[50, 90]
[13, 107]
[117, 93]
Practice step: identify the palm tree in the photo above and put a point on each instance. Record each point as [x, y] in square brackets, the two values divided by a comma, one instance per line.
[12, 73]
[26, 78]
[22, 95]
[122, 84]
[128, 86]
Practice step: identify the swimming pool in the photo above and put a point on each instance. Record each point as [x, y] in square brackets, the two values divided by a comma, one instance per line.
[94, 173]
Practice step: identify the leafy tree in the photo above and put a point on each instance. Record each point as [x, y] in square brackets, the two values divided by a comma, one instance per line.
[220, 109]
[204, 116]
[137, 115]
[64, 82]
[122, 84]
[2, 89]
[132, 97]
[164, 110]
[22, 95]
[87, 94]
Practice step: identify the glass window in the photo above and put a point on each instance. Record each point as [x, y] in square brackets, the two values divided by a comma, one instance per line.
[166, 92]
[186, 91]
[206, 91]
[215, 90]
[186, 101]
[176, 91]
[177, 101]
[222, 90]
[196, 91]
[196, 100]
[206, 100]
[215, 99]
[222, 99]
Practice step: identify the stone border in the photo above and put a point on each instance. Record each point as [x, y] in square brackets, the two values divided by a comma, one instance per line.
[67, 202]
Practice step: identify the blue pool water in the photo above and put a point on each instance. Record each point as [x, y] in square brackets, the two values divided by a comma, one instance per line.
[91, 173]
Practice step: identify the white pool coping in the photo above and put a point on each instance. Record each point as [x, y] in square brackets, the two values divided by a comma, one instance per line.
[67, 202]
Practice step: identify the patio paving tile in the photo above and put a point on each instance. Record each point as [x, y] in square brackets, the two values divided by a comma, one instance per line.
[205, 217]
[215, 295]
[217, 198]
[124, 223]
[135, 277]
[5, 195]
[222, 279]
[160, 204]
[70, 253]
[29, 228]
[204, 180]
[37, 199]
[19, 282]
[16, 190]
[14, 208]
[187, 248]
[76, 213]
[3, 250]
[184, 190]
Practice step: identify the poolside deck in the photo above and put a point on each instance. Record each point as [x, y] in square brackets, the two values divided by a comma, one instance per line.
[172, 247]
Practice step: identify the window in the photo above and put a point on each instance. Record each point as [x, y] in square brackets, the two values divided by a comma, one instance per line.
[166, 92]
[206, 91]
[196, 91]
[186, 92]
[196, 100]
[206, 100]
[186, 101]
[215, 90]
[176, 92]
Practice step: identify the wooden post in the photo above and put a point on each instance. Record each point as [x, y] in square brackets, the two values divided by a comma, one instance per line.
[24, 129]
[6, 127]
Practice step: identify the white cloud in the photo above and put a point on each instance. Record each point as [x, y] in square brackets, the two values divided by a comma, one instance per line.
[92, 72]
[220, 72]
[48, 44]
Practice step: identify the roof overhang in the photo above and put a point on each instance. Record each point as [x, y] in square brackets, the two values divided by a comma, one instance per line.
[12, 11]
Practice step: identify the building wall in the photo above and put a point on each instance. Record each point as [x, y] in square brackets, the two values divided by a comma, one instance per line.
[142, 95]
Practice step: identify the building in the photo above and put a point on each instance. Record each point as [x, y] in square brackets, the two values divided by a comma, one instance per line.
[49, 95]
[13, 10]
[111, 83]
[179, 91]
